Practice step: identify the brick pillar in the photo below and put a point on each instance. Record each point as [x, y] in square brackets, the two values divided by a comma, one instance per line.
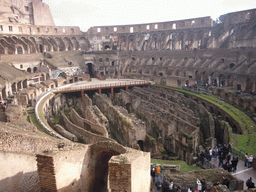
[82, 96]
[46, 173]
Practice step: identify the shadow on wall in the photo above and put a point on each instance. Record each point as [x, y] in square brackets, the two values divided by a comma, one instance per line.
[21, 182]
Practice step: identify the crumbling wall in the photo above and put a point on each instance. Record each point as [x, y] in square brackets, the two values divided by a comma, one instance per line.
[88, 125]
[92, 112]
[123, 127]
[83, 135]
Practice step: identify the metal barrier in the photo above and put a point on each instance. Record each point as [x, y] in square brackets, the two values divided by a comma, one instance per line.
[238, 154]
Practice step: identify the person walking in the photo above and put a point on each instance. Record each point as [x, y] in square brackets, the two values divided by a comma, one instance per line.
[158, 171]
[246, 159]
[159, 186]
[250, 161]
[166, 186]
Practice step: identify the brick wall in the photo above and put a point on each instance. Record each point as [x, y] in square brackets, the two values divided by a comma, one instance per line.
[46, 173]
[119, 177]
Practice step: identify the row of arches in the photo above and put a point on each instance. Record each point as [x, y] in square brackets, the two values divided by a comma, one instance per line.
[169, 40]
[32, 44]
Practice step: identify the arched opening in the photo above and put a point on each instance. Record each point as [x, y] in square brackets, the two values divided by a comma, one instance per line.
[41, 48]
[98, 169]
[90, 70]
[29, 70]
[140, 143]
[35, 69]
[107, 47]
[19, 50]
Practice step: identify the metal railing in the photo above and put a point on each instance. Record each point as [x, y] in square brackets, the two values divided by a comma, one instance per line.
[238, 154]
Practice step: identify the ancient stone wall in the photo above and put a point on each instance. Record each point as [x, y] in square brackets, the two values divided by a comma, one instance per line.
[83, 135]
[65, 133]
[92, 112]
[86, 124]
[124, 128]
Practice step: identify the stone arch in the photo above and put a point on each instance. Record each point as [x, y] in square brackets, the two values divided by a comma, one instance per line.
[189, 40]
[162, 38]
[101, 153]
[19, 50]
[10, 47]
[29, 70]
[54, 44]
[33, 41]
[123, 43]
[35, 70]
[68, 44]
[154, 42]
[84, 44]
[131, 43]
[75, 43]
[60, 43]
[180, 39]
[22, 44]
[31, 46]
[107, 47]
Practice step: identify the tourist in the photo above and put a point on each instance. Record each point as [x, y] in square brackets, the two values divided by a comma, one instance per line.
[158, 171]
[228, 157]
[204, 186]
[250, 161]
[153, 173]
[158, 186]
[246, 159]
[234, 162]
[221, 158]
[250, 184]
[166, 186]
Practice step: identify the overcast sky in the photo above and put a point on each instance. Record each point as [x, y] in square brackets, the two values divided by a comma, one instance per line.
[88, 13]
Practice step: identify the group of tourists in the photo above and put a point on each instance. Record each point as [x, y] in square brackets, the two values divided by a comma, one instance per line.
[159, 182]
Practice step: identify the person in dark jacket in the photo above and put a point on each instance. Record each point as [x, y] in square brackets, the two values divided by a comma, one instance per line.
[166, 186]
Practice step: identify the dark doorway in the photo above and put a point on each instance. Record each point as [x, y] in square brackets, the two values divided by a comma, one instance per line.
[90, 69]
[140, 142]
[41, 48]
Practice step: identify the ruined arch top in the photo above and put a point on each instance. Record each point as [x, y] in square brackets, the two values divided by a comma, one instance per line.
[108, 146]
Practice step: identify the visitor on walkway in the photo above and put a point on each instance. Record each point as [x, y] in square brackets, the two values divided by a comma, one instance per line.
[221, 158]
[159, 186]
[250, 161]
[153, 173]
[234, 162]
[166, 186]
[158, 171]
[246, 160]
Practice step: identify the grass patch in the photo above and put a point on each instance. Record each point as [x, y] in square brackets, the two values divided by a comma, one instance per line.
[37, 124]
[245, 142]
[184, 167]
